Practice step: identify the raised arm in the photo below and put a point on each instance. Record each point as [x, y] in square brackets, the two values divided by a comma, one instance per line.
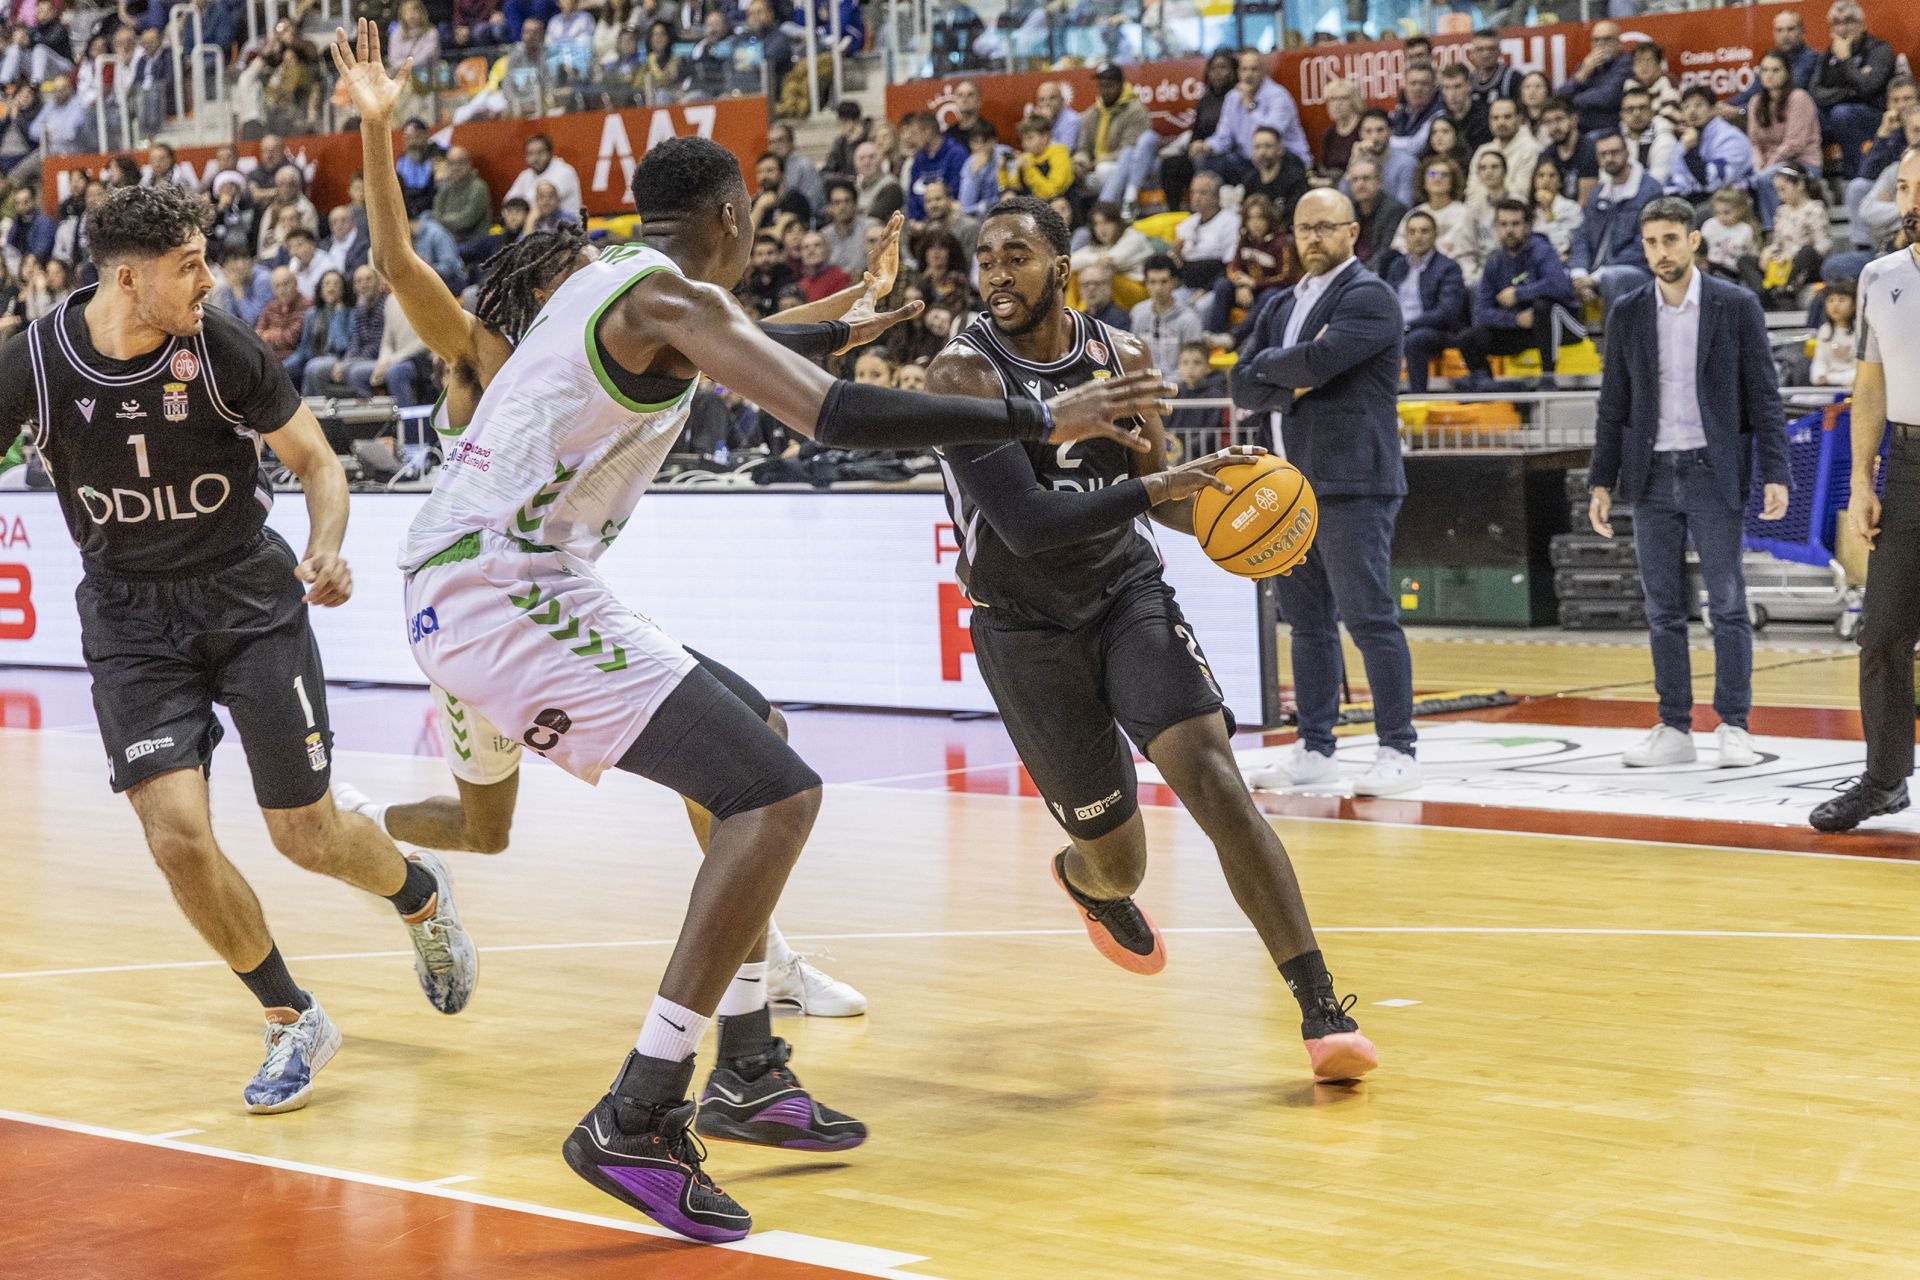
[432, 310]
[858, 301]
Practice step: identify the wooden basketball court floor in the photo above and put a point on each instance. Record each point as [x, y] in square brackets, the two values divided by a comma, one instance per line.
[1628, 1047]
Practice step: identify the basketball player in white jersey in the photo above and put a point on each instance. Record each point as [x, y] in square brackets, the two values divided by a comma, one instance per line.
[562, 445]
[484, 761]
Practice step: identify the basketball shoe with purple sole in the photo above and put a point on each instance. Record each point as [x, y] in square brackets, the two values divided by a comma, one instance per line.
[656, 1170]
[758, 1100]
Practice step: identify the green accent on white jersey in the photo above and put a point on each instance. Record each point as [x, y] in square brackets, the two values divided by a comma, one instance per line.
[555, 456]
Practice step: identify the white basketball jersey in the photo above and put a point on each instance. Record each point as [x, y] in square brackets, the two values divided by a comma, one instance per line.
[556, 457]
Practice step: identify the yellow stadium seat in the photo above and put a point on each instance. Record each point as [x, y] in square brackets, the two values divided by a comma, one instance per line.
[1160, 226]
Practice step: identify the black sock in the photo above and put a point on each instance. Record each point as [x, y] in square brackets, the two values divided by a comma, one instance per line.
[645, 1085]
[412, 896]
[746, 1035]
[1307, 978]
[273, 986]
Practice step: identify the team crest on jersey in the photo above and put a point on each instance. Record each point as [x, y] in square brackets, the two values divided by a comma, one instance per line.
[173, 399]
[1097, 349]
[316, 752]
[184, 366]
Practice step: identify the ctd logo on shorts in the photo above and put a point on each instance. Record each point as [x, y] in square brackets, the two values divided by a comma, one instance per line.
[548, 727]
[146, 747]
[422, 624]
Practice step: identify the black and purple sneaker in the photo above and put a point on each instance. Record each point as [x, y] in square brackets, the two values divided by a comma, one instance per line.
[759, 1100]
[656, 1171]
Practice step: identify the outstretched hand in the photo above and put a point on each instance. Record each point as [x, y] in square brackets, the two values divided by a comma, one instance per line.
[1091, 410]
[370, 90]
[1190, 478]
[883, 260]
[865, 325]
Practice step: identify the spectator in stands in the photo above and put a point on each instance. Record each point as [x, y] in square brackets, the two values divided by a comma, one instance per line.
[290, 94]
[1420, 103]
[635, 76]
[1377, 212]
[1783, 129]
[1790, 40]
[1197, 431]
[1650, 73]
[543, 163]
[1111, 240]
[1162, 321]
[845, 230]
[437, 249]
[1732, 238]
[526, 84]
[1180, 158]
[149, 79]
[233, 213]
[1522, 303]
[944, 217]
[1456, 230]
[943, 274]
[1889, 140]
[1204, 242]
[854, 129]
[1256, 100]
[70, 241]
[966, 112]
[570, 41]
[1117, 145]
[244, 287]
[306, 262]
[1096, 296]
[1278, 174]
[415, 164]
[1536, 91]
[819, 277]
[1606, 260]
[776, 50]
[1493, 76]
[1713, 154]
[1345, 106]
[1042, 167]
[351, 374]
[1850, 85]
[1459, 105]
[325, 329]
[347, 243]
[767, 274]
[46, 287]
[281, 319]
[1554, 216]
[878, 193]
[274, 233]
[463, 204]
[412, 35]
[1395, 168]
[1879, 213]
[797, 173]
[1050, 104]
[515, 14]
[1595, 87]
[980, 179]
[1571, 150]
[1433, 296]
[1265, 261]
[1800, 241]
[483, 22]
[65, 124]
[1652, 137]
[288, 195]
[931, 157]
[270, 160]
[710, 65]
[1833, 345]
[1517, 144]
[1443, 142]
[41, 228]
[163, 166]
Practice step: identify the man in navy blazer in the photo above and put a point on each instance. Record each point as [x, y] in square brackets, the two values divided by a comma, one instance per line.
[1689, 410]
[1433, 296]
[1325, 356]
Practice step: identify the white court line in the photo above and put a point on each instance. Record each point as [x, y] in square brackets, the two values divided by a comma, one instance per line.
[1492, 931]
[447, 1181]
[788, 1245]
[178, 1133]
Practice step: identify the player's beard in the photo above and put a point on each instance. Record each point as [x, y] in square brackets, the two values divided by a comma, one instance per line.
[1039, 313]
[1910, 223]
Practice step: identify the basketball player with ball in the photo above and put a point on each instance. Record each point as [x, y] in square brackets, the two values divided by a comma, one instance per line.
[1078, 635]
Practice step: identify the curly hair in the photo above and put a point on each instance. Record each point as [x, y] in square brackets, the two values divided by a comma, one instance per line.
[1051, 226]
[685, 175]
[146, 222]
[506, 303]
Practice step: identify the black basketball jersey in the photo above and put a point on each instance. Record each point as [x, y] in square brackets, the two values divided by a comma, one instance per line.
[155, 458]
[1067, 586]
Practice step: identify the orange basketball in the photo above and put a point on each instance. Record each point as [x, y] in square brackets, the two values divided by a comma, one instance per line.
[1265, 525]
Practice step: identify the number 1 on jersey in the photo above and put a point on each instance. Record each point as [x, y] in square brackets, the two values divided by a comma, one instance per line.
[139, 444]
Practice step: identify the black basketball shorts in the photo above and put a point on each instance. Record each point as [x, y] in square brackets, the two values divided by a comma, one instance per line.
[1067, 695]
[163, 652]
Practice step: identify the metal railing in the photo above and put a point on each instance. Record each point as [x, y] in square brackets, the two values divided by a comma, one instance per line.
[111, 99]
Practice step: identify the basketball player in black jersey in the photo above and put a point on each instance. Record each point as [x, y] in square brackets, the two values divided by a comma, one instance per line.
[1078, 635]
[148, 407]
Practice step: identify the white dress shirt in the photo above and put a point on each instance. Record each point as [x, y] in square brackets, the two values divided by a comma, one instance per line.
[1215, 240]
[1306, 294]
[1679, 342]
[1410, 307]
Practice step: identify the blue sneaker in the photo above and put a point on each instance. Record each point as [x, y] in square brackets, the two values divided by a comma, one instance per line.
[444, 957]
[298, 1045]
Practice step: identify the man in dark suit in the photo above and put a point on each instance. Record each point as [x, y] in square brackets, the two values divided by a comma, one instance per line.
[1433, 296]
[1689, 410]
[1325, 356]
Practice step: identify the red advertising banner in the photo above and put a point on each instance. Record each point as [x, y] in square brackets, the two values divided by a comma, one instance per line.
[602, 147]
[1718, 48]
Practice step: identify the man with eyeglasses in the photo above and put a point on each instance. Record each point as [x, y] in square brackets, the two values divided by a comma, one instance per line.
[1850, 84]
[1325, 357]
[1493, 76]
[1595, 87]
[1650, 136]
[1606, 257]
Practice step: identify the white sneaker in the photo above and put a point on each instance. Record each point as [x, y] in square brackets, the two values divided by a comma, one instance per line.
[444, 957]
[798, 984]
[1299, 767]
[1391, 772]
[354, 800]
[1736, 748]
[1665, 745]
[298, 1045]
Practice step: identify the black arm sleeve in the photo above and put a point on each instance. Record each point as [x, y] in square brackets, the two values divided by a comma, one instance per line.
[860, 416]
[814, 341]
[1030, 519]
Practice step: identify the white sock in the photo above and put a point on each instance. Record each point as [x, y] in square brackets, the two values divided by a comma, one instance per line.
[377, 815]
[671, 1031]
[778, 952]
[746, 993]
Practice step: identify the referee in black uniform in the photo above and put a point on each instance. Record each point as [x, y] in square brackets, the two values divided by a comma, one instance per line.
[148, 408]
[1886, 398]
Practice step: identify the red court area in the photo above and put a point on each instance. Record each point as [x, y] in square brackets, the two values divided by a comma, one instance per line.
[79, 1205]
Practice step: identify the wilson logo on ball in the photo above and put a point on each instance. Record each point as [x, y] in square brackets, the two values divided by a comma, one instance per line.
[1295, 530]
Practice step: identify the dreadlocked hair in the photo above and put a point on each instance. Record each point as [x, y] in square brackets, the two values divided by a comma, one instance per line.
[506, 303]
